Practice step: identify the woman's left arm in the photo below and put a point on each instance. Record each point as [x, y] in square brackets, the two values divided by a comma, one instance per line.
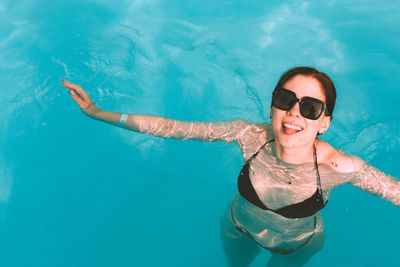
[372, 180]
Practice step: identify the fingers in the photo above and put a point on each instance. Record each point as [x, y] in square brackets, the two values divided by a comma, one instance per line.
[76, 88]
[81, 103]
[70, 85]
[78, 94]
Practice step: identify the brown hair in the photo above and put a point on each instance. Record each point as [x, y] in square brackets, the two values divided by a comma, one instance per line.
[326, 83]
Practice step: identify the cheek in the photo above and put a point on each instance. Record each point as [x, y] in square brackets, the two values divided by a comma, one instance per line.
[313, 126]
[276, 113]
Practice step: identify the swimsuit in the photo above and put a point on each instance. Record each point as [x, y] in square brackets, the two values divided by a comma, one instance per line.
[303, 209]
[276, 250]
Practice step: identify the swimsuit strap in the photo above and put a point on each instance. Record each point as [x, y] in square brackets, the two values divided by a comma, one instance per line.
[314, 157]
[316, 167]
[259, 149]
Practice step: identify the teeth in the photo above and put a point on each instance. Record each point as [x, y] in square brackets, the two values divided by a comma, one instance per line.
[297, 128]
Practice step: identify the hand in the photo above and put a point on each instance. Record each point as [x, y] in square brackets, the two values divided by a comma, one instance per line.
[82, 98]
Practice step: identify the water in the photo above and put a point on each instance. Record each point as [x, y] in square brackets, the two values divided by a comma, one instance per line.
[76, 192]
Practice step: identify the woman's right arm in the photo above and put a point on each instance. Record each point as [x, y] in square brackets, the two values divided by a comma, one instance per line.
[228, 131]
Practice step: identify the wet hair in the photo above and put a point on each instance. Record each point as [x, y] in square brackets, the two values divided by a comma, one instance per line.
[326, 84]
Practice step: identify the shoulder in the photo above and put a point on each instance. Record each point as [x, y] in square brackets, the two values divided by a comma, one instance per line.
[336, 159]
[263, 127]
[263, 130]
[252, 137]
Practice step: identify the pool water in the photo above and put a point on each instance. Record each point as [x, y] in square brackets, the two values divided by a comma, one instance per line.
[77, 192]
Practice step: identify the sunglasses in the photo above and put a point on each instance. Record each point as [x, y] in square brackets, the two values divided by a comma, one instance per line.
[310, 108]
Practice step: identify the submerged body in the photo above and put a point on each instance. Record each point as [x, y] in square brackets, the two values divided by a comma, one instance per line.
[276, 182]
[288, 173]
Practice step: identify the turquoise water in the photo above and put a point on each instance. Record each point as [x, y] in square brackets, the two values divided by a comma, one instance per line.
[76, 192]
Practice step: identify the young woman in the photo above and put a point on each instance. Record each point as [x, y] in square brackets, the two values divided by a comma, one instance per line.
[288, 172]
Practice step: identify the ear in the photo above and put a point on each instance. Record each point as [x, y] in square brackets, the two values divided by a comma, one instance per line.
[326, 121]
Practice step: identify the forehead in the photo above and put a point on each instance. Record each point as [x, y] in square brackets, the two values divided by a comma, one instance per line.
[305, 86]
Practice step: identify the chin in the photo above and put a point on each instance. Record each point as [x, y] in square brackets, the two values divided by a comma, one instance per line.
[288, 142]
[292, 141]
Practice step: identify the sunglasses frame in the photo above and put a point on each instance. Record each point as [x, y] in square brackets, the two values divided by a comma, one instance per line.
[300, 101]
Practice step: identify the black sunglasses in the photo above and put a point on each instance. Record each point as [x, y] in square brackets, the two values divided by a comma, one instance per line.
[310, 108]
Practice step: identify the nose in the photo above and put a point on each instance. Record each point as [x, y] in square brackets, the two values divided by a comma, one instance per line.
[295, 110]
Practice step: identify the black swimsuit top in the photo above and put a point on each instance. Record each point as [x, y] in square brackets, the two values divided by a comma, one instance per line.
[302, 209]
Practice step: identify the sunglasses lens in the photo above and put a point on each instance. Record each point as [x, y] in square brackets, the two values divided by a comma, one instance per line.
[283, 99]
[311, 108]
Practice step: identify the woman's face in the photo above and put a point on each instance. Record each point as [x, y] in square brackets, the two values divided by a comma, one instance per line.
[290, 128]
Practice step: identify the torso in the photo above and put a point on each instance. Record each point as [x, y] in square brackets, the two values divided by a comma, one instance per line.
[279, 184]
[301, 209]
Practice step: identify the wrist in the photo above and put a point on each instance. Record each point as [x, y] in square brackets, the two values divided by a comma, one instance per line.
[122, 120]
[92, 111]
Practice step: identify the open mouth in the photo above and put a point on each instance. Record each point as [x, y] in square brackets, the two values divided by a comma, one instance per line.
[290, 129]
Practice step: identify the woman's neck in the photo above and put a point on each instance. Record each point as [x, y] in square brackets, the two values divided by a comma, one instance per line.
[295, 155]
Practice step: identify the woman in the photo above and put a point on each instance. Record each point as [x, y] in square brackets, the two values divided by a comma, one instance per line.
[288, 172]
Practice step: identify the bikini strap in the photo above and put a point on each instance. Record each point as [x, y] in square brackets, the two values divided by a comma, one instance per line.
[316, 167]
[314, 157]
[259, 149]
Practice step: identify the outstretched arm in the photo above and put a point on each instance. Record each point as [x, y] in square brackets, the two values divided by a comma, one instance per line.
[373, 181]
[228, 131]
